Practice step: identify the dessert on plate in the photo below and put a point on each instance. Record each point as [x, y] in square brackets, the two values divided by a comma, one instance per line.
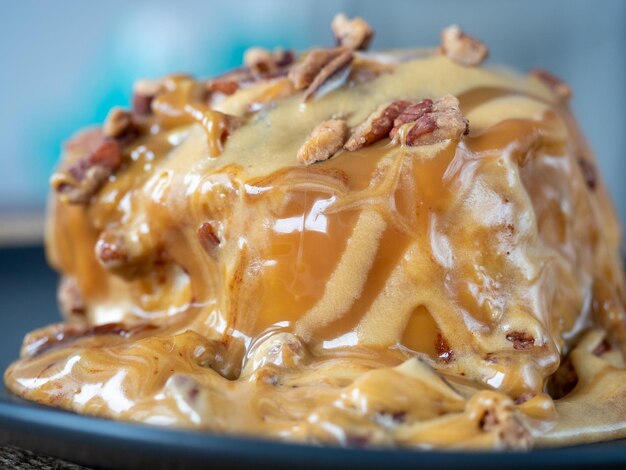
[400, 248]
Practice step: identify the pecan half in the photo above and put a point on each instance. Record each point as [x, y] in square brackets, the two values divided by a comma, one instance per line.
[117, 123]
[558, 86]
[82, 180]
[462, 48]
[377, 126]
[354, 34]
[70, 298]
[325, 140]
[434, 121]
[521, 340]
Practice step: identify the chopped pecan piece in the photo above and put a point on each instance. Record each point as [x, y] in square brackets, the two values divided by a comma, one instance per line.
[144, 92]
[325, 140]
[508, 428]
[434, 121]
[521, 340]
[354, 34]
[588, 170]
[82, 180]
[377, 126]
[208, 238]
[318, 67]
[558, 86]
[111, 250]
[444, 353]
[225, 86]
[70, 298]
[259, 60]
[303, 73]
[333, 68]
[462, 48]
[264, 62]
[117, 123]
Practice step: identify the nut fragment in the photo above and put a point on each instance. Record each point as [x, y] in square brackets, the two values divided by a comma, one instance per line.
[588, 170]
[111, 250]
[434, 121]
[225, 86]
[264, 62]
[510, 431]
[521, 340]
[117, 122]
[325, 140]
[144, 92]
[259, 60]
[82, 180]
[303, 73]
[462, 48]
[558, 86]
[332, 68]
[319, 66]
[377, 126]
[354, 34]
[444, 353]
[208, 238]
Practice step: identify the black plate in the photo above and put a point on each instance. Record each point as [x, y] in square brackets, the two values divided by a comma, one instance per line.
[27, 294]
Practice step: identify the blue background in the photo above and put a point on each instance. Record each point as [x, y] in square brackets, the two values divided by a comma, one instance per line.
[63, 64]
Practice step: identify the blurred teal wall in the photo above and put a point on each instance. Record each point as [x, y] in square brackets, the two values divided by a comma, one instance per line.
[63, 64]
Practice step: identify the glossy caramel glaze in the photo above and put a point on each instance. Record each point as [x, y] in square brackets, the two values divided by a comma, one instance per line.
[431, 296]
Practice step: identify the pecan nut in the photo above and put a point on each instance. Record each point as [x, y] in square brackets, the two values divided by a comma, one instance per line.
[333, 68]
[430, 122]
[462, 48]
[117, 123]
[82, 180]
[144, 92]
[325, 140]
[263, 62]
[318, 67]
[355, 34]
[377, 126]
[208, 238]
[521, 340]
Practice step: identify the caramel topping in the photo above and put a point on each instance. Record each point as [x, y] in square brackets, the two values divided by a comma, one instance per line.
[415, 295]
